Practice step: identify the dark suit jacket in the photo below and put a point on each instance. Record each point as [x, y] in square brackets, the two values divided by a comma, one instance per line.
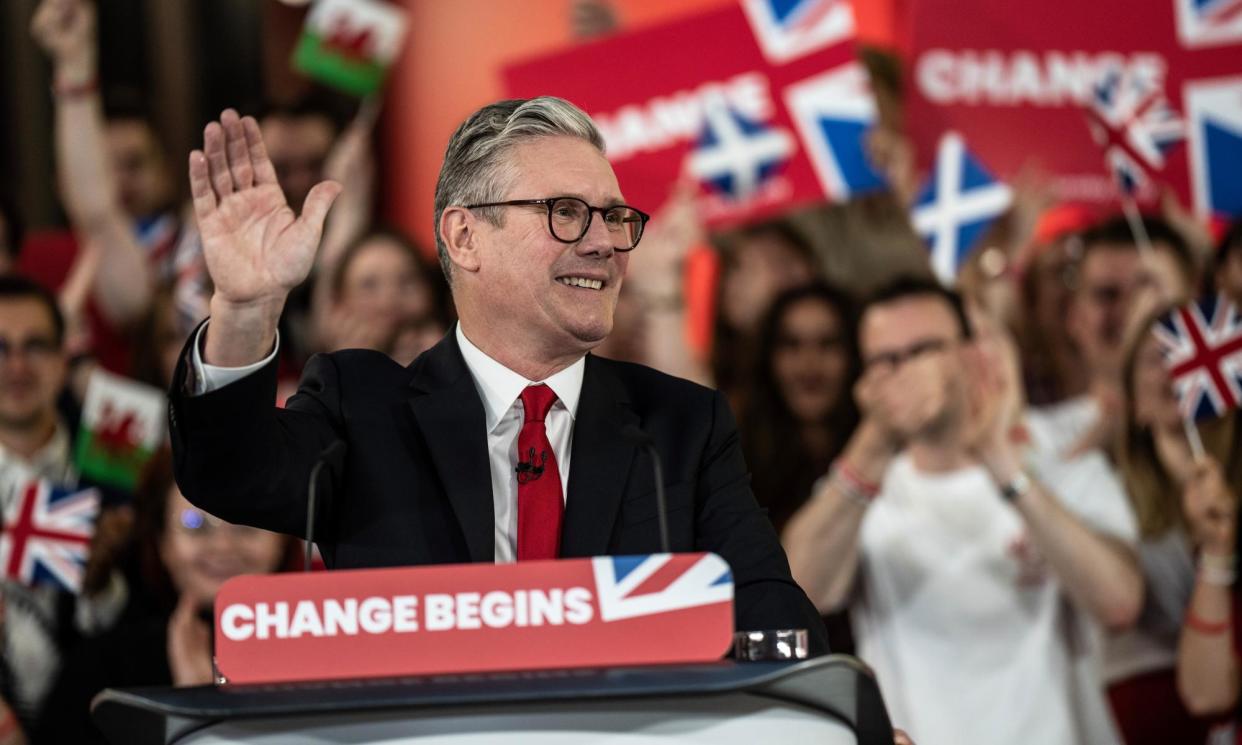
[416, 486]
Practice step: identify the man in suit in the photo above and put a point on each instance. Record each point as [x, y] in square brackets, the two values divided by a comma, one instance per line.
[505, 441]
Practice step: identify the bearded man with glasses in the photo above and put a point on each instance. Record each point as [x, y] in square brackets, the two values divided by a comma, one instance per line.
[505, 441]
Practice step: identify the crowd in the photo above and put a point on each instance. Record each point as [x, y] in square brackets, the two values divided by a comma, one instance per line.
[988, 491]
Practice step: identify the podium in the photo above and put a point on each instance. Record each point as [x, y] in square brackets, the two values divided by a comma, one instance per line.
[829, 700]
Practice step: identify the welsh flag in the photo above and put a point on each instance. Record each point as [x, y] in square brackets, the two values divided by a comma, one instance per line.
[350, 44]
[123, 423]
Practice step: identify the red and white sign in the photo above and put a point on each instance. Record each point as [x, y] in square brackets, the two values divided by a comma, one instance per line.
[763, 103]
[1016, 78]
[376, 623]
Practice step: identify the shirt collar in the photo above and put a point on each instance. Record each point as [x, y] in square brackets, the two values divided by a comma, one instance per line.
[499, 386]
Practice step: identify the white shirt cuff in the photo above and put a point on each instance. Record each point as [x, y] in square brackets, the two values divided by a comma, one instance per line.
[208, 378]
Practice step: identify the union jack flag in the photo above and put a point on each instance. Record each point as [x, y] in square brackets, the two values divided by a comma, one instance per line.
[787, 29]
[47, 531]
[631, 586]
[1202, 345]
[1204, 23]
[1132, 121]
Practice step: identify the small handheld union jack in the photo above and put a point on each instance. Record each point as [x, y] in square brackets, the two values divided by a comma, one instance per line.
[46, 535]
[1132, 121]
[1202, 345]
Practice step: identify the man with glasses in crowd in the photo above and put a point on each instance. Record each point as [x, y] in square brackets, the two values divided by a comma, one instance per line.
[507, 440]
[36, 443]
[969, 550]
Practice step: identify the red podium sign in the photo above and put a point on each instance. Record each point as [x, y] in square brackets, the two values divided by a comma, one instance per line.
[374, 623]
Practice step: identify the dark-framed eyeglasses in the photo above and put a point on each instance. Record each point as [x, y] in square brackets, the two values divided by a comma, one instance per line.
[897, 358]
[569, 218]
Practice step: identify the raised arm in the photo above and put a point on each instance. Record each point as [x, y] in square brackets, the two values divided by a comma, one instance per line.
[256, 248]
[1207, 663]
[1099, 572]
[122, 281]
[822, 537]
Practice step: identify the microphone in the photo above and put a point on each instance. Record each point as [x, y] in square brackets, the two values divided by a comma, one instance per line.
[526, 470]
[639, 438]
[332, 457]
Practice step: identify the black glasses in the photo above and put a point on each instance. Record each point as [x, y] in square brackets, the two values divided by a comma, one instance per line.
[895, 359]
[569, 218]
[37, 347]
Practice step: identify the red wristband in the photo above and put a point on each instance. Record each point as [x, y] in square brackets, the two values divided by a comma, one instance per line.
[77, 90]
[863, 485]
[1207, 628]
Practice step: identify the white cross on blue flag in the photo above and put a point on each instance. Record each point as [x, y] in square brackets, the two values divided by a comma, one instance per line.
[736, 155]
[954, 209]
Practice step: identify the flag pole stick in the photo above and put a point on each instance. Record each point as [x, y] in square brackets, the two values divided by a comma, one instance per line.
[1192, 436]
[1137, 229]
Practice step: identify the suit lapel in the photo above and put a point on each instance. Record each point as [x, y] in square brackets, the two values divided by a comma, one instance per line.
[600, 462]
[448, 410]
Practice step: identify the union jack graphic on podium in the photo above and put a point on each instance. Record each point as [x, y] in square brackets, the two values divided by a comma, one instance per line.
[47, 531]
[1132, 121]
[788, 29]
[1202, 345]
[632, 586]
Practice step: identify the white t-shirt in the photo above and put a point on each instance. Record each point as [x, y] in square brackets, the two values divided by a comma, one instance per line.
[966, 627]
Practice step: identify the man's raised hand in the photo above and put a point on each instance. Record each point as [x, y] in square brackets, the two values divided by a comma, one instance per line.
[256, 248]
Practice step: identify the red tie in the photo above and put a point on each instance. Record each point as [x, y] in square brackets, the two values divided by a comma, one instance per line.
[540, 504]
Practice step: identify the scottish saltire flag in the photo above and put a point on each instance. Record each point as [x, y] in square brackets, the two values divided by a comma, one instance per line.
[47, 531]
[1132, 121]
[834, 111]
[1202, 23]
[735, 155]
[1214, 142]
[788, 29]
[350, 44]
[631, 586]
[1202, 346]
[960, 200]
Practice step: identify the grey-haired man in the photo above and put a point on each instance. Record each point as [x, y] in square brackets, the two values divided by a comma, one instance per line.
[444, 463]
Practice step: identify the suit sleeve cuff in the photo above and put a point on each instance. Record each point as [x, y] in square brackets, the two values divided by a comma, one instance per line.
[208, 378]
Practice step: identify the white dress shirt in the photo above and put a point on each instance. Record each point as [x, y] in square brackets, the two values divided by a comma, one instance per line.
[500, 390]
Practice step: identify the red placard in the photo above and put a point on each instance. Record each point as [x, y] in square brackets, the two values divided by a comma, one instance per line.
[762, 103]
[1014, 77]
[378, 623]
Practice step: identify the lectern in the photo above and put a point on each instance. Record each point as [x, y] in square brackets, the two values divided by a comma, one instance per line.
[825, 700]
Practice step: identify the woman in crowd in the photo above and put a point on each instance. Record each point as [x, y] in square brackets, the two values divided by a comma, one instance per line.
[381, 295]
[801, 409]
[801, 412]
[180, 556]
[1163, 477]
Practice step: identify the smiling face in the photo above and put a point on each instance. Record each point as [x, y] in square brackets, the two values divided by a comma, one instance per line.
[810, 361]
[530, 293]
[200, 552]
[32, 364]
[1155, 403]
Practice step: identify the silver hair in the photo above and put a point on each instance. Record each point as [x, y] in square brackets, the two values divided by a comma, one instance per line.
[476, 168]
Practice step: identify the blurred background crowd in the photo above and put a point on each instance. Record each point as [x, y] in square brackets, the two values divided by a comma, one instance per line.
[880, 406]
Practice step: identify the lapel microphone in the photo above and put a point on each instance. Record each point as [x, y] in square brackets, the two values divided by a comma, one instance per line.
[526, 470]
